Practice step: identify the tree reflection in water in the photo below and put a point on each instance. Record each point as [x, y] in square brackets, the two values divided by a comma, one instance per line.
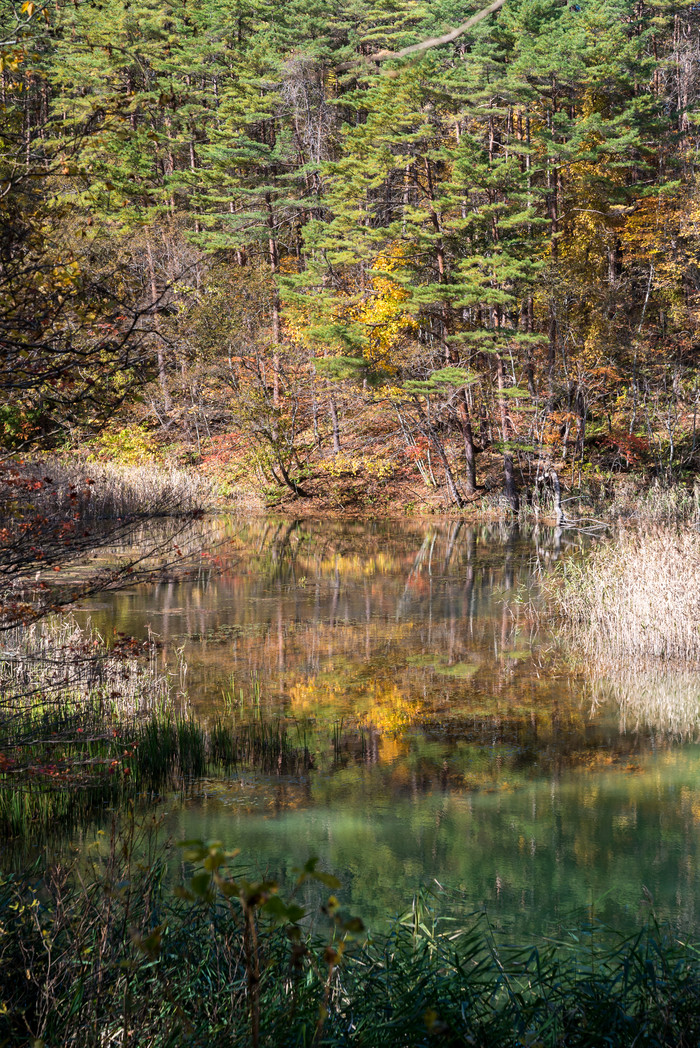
[455, 739]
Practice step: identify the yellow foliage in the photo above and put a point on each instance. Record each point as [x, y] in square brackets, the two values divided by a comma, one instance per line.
[130, 445]
[396, 394]
[662, 236]
[381, 703]
[384, 314]
[358, 465]
[380, 308]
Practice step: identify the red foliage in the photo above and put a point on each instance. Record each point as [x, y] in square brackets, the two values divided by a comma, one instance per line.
[632, 449]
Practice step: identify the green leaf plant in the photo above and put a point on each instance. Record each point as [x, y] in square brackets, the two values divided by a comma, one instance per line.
[214, 879]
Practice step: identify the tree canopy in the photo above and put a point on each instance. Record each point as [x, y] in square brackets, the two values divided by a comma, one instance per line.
[355, 233]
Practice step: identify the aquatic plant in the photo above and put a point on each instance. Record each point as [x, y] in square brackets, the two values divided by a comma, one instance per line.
[109, 954]
[636, 595]
[657, 504]
[59, 661]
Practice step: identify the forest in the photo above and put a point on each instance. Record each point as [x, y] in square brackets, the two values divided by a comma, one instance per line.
[249, 234]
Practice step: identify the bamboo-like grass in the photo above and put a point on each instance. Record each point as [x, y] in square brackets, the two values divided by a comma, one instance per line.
[110, 955]
[637, 595]
[110, 491]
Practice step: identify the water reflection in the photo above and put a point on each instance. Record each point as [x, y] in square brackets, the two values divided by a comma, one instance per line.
[454, 742]
[659, 698]
[538, 856]
[360, 617]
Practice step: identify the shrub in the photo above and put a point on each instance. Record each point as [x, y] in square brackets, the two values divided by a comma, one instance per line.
[105, 952]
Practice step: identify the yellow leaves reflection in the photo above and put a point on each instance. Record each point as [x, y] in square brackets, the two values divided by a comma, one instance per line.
[380, 704]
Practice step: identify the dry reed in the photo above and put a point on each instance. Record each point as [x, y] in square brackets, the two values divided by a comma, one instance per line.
[109, 491]
[662, 504]
[638, 595]
[57, 661]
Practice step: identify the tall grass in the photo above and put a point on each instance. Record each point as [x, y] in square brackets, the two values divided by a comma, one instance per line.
[109, 490]
[70, 718]
[59, 662]
[61, 769]
[106, 954]
[637, 595]
[659, 504]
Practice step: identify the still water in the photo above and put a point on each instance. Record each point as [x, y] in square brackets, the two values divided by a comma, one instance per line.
[457, 746]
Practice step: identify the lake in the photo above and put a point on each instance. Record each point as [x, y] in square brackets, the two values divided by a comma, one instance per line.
[458, 747]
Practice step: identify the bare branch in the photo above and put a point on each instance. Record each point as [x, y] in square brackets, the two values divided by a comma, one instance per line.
[433, 41]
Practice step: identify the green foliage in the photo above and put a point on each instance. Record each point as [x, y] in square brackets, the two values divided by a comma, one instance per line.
[130, 445]
[178, 970]
[233, 202]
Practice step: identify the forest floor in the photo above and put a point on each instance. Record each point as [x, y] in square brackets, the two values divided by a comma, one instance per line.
[378, 471]
[381, 469]
[393, 484]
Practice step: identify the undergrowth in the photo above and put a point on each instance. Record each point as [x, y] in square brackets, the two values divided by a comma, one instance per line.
[105, 953]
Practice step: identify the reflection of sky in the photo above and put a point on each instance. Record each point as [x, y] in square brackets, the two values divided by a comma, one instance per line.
[468, 751]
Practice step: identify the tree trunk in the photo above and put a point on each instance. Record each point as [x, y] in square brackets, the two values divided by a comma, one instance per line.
[469, 450]
[162, 375]
[510, 485]
[334, 422]
[276, 326]
[432, 436]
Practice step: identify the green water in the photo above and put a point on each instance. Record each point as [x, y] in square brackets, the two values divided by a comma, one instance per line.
[457, 747]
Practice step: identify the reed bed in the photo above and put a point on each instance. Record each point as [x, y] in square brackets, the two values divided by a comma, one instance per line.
[638, 595]
[110, 491]
[63, 769]
[71, 715]
[661, 504]
[660, 696]
[266, 745]
[108, 955]
[58, 661]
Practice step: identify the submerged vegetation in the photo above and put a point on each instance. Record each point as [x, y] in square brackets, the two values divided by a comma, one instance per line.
[116, 939]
